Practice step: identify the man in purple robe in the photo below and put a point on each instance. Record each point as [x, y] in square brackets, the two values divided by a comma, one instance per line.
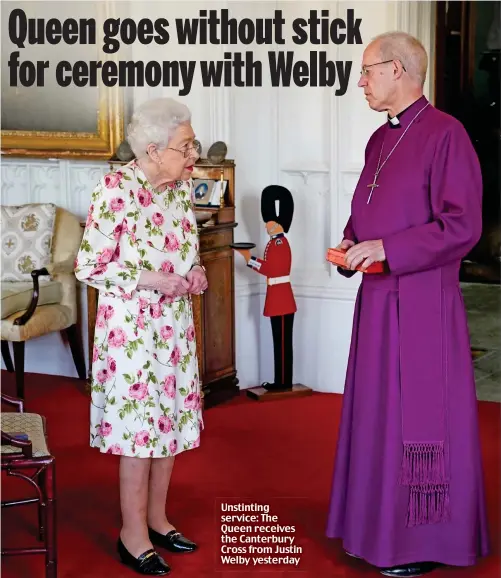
[407, 493]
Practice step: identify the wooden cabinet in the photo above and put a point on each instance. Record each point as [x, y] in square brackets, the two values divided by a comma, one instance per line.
[214, 311]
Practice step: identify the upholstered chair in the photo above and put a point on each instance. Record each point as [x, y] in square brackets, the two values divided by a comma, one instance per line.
[38, 301]
[26, 457]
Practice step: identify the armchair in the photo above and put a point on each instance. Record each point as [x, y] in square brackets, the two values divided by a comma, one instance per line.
[48, 302]
[25, 455]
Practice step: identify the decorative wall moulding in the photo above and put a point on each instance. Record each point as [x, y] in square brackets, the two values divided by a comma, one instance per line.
[306, 172]
[249, 290]
[330, 293]
[67, 183]
[418, 18]
[220, 117]
[320, 292]
[319, 283]
[351, 170]
[313, 284]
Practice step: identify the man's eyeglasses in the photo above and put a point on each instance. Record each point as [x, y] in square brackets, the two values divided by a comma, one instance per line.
[365, 69]
[186, 152]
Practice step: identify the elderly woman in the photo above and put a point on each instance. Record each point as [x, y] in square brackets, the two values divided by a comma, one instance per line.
[140, 249]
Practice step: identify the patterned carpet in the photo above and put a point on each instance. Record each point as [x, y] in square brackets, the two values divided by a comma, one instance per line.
[483, 305]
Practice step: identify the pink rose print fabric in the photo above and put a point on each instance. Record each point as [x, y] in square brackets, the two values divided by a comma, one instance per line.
[145, 384]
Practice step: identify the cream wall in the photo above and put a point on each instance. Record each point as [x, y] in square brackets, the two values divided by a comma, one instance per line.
[306, 139]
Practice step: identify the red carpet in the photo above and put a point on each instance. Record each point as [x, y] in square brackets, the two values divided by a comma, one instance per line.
[278, 454]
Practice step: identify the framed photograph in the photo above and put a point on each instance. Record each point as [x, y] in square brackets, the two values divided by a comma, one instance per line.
[208, 192]
[52, 120]
[202, 190]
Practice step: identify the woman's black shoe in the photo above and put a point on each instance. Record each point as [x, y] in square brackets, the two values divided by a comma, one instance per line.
[149, 563]
[173, 541]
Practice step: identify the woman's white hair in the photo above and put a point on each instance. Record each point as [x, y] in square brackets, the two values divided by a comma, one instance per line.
[154, 122]
[408, 50]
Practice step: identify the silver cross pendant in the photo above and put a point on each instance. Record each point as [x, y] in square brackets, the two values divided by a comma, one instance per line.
[372, 186]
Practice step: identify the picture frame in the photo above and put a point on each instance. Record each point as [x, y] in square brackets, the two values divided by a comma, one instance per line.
[207, 192]
[54, 121]
[202, 191]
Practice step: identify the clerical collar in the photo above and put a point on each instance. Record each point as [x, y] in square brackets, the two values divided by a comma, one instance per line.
[397, 121]
[277, 235]
[394, 121]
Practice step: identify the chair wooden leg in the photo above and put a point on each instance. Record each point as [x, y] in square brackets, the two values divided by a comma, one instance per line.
[19, 366]
[73, 335]
[42, 483]
[50, 521]
[7, 359]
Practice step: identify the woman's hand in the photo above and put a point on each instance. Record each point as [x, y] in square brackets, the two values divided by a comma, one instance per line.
[365, 253]
[170, 284]
[197, 280]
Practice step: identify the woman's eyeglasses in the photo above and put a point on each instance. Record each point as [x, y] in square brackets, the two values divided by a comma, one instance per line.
[186, 152]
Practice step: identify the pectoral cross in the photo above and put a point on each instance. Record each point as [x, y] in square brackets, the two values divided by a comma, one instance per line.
[372, 186]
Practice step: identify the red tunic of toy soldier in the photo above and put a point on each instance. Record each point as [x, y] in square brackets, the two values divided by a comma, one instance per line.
[275, 265]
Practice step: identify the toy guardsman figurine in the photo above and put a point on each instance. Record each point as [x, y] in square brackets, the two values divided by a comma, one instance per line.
[280, 304]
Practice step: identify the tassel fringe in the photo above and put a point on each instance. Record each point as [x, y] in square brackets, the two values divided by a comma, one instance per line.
[428, 504]
[423, 464]
[423, 469]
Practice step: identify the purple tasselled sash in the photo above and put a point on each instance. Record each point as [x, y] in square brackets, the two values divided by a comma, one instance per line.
[423, 376]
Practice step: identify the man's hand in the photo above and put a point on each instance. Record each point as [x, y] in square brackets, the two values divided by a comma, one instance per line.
[246, 254]
[197, 280]
[365, 253]
[344, 246]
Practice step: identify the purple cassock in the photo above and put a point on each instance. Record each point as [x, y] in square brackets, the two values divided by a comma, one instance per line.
[408, 481]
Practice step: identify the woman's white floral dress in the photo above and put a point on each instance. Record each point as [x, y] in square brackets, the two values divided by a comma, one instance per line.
[145, 383]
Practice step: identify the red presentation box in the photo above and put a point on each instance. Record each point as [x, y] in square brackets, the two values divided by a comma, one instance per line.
[337, 257]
